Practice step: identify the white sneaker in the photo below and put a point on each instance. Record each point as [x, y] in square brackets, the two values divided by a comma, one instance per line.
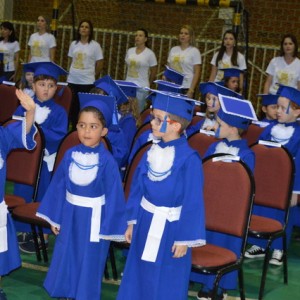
[254, 252]
[276, 258]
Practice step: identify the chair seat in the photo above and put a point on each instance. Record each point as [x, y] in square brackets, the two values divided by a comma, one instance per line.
[264, 225]
[212, 256]
[26, 213]
[13, 201]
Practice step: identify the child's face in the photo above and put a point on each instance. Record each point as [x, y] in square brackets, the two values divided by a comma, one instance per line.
[29, 78]
[212, 102]
[41, 23]
[184, 36]
[84, 29]
[270, 111]
[5, 33]
[229, 40]
[44, 89]
[90, 129]
[172, 130]
[285, 112]
[233, 83]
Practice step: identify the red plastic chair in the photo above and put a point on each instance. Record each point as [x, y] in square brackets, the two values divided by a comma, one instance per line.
[8, 102]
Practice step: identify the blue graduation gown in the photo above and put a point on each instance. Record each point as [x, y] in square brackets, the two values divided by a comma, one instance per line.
[10, 138]
[78, 262]
[128, 124]
[293, 145]
[228, 281]
[167, 277]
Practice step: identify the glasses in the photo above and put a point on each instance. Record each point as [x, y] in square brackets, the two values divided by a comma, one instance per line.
[158, 121]
[91, 127]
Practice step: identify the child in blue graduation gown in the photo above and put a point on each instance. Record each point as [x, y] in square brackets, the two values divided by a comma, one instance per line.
[85, 206]
[286, 131]
[165, 211]
[15, 135]
[231, 120]
[269, 108]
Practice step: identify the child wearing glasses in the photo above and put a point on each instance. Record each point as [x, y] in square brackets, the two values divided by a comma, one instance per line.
[164, 222]
[85, 206]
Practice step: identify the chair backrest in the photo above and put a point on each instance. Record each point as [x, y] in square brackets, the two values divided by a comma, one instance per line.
[228, 195]
[274, 176]
[71, 140]
[144, 114]
[63, 97]
[8, 102]
[201, 141]
[131, 168]
[24, 166]
[196, 119]
[252, 134]
[141, 130]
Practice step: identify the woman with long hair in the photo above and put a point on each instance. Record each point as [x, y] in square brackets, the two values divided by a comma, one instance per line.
[228, 56]
[284, 69]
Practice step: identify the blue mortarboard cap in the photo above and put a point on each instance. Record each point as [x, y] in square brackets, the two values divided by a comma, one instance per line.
[215, 89]
[173, 75]
[290, 93]
[173, 103]
[129, 88]
[108, 85]
[232, 72]
[28, 68]
[268, 99]
[105, 104]
[46, 68]
[168, 86]
[236, 112]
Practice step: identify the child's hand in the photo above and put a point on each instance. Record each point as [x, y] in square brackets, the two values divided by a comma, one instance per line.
[128, 233]
[179, 250]
[25, 100]
[55, 230]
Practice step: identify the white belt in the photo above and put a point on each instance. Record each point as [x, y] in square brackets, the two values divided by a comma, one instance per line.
[160, 215]
[96, 205]
[3, 227]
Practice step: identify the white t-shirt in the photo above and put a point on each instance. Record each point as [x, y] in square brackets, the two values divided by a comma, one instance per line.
[138, 66]
[283, 73]
[84, 58]
[9, 49]
[225, 63]
[40, 45]
[184, 61]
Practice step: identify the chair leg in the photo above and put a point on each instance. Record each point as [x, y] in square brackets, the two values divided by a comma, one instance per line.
[264, 273]
[113, 262]
[241, 283]
[106, 275]
[36, 243]
[43, 244]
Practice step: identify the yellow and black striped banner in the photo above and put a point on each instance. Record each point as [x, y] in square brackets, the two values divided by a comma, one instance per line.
[54, 17]
[217, 3]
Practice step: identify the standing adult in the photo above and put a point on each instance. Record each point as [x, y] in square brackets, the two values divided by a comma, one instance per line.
[10, 48]
[141, 65]
[86, 64]
[228, 56]
[42, 44]
[186, 59]
[284, 69]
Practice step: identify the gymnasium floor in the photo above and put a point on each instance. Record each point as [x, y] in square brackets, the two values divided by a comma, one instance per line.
[26, 282]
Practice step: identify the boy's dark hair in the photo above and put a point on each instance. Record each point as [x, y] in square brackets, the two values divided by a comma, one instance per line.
[96, 111]
[294, 40]
[222, 50]
[43, 77]
[91, 36]
[182, 121]
[7, 25]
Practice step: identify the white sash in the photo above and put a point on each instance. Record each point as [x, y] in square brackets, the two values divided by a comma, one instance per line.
[96, 205]
[3, 227]
[160, 215]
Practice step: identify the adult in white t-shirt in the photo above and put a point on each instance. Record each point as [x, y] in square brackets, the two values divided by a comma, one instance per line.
[284, 69]
[86, 65]
[186, 59]
[42, 44]
[141, 65]
[228, 56]
[9, 47]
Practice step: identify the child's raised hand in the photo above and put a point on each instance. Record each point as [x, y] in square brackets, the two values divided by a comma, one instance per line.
[25, 100]
[55, 230]
[179, 250]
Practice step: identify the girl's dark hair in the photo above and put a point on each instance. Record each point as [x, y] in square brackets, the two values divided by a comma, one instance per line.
[96, 111]
[294, 40]
[91, 36]
[223, 49]
[7, 25]
[146, 35]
